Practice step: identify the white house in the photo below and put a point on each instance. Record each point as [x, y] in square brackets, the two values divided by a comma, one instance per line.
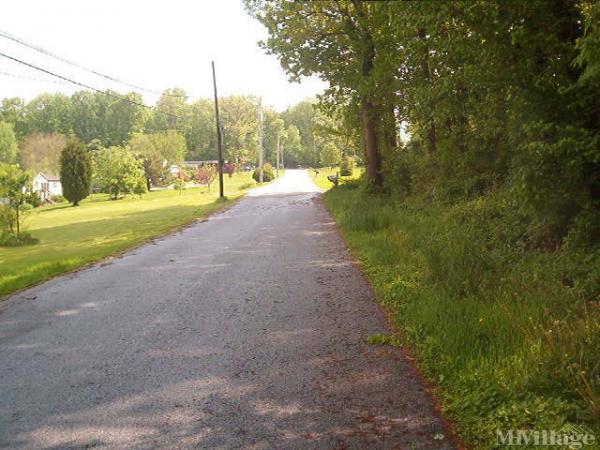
[47, 186]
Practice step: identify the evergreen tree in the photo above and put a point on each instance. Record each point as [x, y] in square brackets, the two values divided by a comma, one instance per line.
[75, 171]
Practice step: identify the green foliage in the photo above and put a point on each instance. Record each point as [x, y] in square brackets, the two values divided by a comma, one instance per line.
[14, 187]
[33, 199]
[474, 124]
[158, 151]
[510, 333]
[330, 155]
[346, 166]
[268, 174]
[173, 130]
[118, 172]
[8, 143]
[301, 117]
[8, 239]
[75, 171]
[179, 184]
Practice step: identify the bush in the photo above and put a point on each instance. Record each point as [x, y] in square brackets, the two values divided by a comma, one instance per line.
[206, 175]
[347, 167]
[58, 199]
[8, 218]
[33, 199]
[268, 174]
[8, 239]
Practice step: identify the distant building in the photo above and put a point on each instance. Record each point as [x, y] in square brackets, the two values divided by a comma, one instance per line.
[47, 186]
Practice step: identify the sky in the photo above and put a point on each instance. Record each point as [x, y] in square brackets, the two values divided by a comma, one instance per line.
[155, 44]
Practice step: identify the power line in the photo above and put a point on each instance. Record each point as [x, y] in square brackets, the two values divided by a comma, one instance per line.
[79, 66]
[86, 86]
[14, 75]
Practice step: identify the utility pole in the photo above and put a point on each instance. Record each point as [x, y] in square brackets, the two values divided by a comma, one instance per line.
[260, 142]
[219, 135]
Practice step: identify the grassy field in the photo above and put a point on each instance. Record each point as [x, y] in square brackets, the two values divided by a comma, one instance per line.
[509, 334]
[74, 236]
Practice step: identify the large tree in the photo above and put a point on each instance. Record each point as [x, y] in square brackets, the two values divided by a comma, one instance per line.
[12, 110]
[50, 113]
[240, 128]
[330, 155]
[118, 172]
[171, 111]
[337, 41]
[158, 151]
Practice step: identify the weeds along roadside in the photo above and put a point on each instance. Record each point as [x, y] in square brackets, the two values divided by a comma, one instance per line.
[510, 334]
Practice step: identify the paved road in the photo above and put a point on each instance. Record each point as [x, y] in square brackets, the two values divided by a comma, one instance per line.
[243, 331]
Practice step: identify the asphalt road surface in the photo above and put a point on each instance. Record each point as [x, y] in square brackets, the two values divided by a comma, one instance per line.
[243, 331]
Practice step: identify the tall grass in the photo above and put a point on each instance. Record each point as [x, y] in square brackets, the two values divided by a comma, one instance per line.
[510, 334]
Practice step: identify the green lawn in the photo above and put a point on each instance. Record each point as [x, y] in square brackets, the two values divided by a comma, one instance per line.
[74, 236]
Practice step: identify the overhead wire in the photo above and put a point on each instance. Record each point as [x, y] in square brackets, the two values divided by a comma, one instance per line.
[23, 77]
[39, 49]
[87, 86]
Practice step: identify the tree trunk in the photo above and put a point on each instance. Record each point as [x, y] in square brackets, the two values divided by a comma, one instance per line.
[390, 129]
[17, 211]
[431, 132]
[373, 157]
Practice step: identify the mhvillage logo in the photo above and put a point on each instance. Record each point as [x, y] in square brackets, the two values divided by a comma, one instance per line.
[569, 436]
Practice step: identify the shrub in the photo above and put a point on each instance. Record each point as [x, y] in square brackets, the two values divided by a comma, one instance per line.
[205, 175]
[8, 239]
[179, 184]
[33, 199]
[268, 174]
[58, 199]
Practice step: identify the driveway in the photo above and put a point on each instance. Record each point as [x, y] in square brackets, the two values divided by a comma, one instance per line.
[243, 331]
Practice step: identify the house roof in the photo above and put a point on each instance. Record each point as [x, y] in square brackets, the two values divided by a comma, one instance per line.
[50, 177]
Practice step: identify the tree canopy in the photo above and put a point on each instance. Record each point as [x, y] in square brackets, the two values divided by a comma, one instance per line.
[489, 95]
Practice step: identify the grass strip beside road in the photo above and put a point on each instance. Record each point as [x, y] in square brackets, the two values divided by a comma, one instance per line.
[508, 333]
[72, 237]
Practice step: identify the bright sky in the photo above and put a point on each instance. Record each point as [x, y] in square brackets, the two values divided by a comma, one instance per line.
[155, 44]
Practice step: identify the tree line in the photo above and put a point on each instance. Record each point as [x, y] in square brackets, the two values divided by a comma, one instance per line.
[459, 99]
[33, 133]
